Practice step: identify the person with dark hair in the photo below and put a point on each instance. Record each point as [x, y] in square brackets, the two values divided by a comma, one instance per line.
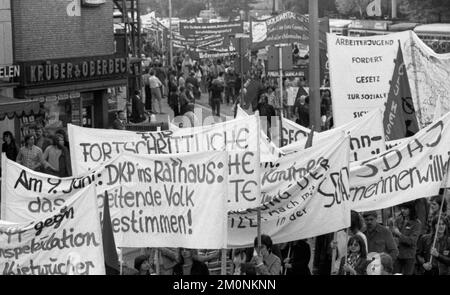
[356, 263]
[356, 224]
[266, 110]
[301, 107]
[57, 158]
[195, 85]
[30, 155]
[379, 238]
[440, 265]
[216, 89]
[120, 121]
[266, 263]
[41, 141]
[406, 230]
[155, 90]
[9, 146]
[189, 264]
[435, 207]
[142, 265]
[173, 95]
[138, 108]
[298, 261]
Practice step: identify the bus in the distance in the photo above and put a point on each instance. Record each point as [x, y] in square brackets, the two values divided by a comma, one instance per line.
[436, 36]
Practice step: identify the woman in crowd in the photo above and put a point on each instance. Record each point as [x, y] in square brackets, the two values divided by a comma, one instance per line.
[298, 260]
[356, 262]
[435, 207]
[57, 157]
[266, 263]
[406, 231]
[9, 146]
[142, 265]
[239, 259]
[189, 265]
[173, 95]
[440, 264]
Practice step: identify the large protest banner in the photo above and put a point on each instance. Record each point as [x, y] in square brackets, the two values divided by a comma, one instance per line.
[366, 135]
[91, 147]
[304, 196]
[414, 169]
[369, 63]
[65, 241]
[31, 195]
[169, 200]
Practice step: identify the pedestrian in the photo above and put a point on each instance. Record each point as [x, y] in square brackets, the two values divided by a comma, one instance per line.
[195, 85]
[168, 259]
[186, 101]
[173, 95]
[440, 264]
[298, 261]
[138, 108]
[155, 90]
[216, 90]
[267, 111]
[266, 262]
[189, 265]
[41, 141]
[120, 121]
[406, 230]
[9, 146]
[142, 265]
[57, 158]
[379, 238]
[355, 262]
[148, 94]
[301, 108]
[435, 207]
[239, 259]
[30, 155]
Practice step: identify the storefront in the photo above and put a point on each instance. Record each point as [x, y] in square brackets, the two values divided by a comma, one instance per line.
[81, 91]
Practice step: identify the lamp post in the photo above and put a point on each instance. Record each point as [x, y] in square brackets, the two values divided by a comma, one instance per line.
[171, 36]
[314, 65]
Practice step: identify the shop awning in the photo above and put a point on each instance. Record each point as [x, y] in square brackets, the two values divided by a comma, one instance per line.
[10, 107]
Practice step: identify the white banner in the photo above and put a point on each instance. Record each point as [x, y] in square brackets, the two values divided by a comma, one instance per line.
[369, 64]
[142, 190]
[68, 240]
[412, 170]
[90, 147]
[304, 196]
[169, 200]
[366, 136]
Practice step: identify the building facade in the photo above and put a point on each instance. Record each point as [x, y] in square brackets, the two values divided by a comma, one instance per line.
[66, 53]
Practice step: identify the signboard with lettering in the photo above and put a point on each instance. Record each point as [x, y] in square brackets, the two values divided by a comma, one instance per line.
[9, 71]
[56, 71]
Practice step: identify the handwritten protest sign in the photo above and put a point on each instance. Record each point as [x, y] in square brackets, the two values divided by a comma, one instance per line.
[303, 196]
[367, 135]
[65, 241]
[169, 200]
[369, 62]
[414, 169]
[91, 147]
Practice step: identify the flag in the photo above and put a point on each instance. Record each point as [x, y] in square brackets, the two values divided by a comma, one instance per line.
[109, 246]
[399, 115]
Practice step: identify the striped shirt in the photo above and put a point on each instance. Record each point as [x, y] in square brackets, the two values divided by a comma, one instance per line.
[214, 265]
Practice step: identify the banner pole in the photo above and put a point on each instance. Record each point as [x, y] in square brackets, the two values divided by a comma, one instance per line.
[280, 50]
[157, 268]
[121, 261]
[333, 254]
[223, 263]
[258, 160]
[444, 197]
[288, 256]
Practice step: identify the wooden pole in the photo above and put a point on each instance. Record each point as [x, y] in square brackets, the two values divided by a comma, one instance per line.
[223, 263]
[258, 160]
[288, 256]
[171, 35]
[280, 50]
[157, 268]
[333, 254]
[314, 65]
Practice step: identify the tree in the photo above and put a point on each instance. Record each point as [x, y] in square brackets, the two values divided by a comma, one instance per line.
[425, 10]
[351, 7]
[231, 8]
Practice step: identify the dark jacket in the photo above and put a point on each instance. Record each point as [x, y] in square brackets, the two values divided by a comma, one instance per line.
[360, 268]
[11, 151]
[407, 241]
[300, 257]
[198, 269]
[381, 240]
[441, 264]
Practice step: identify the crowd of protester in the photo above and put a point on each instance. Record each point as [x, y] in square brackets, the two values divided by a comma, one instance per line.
[414, 239]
